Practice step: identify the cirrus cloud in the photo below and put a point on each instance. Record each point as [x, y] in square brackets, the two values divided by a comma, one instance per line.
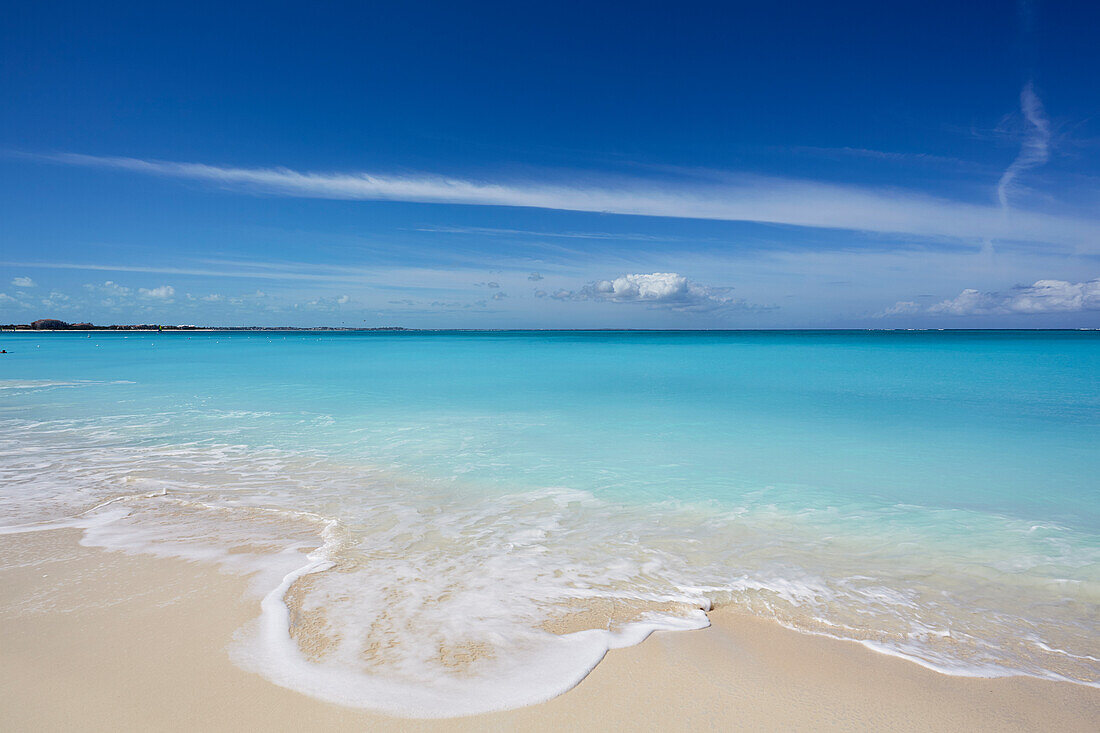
[1036, 146]
[738, 197]
[901, 308]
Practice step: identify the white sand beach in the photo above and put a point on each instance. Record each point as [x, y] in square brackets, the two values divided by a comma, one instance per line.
[96, 640]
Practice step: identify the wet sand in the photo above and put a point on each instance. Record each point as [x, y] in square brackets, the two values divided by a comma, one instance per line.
[94, 640]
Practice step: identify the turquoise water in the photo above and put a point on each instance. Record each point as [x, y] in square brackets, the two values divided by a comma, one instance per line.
[932, 494]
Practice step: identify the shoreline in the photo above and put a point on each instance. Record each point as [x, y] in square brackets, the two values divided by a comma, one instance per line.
[402, 329]
[97, 640]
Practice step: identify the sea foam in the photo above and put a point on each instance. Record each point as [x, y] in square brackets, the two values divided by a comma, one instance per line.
[422, 604]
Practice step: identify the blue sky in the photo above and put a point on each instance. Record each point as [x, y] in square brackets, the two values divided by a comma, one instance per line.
[583, 165]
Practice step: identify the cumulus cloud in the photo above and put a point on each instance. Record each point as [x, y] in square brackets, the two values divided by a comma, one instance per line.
[738, 197]
[534, 277]
[23, 282]
[1044, 296]
[658, 286]
[663, 289]
[164, 292]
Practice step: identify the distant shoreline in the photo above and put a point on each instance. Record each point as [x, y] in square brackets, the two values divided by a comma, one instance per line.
[50, 325]
[150, 328]
[201, 329]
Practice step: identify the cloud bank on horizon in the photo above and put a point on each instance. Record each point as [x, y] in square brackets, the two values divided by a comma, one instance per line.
[1041, 297]
[1044, 296]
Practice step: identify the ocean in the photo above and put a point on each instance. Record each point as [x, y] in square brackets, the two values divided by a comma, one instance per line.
[445, 523]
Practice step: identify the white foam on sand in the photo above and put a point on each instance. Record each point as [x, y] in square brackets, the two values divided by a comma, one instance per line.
[426, 602]
[515, 663]
[530, 666]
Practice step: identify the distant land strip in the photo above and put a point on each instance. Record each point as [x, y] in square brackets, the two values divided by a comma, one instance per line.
[52, 324]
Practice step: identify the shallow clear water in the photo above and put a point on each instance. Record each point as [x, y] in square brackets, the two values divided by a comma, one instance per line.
[463, 496]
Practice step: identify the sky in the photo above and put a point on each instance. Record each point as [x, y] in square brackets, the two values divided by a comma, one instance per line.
[566, 165]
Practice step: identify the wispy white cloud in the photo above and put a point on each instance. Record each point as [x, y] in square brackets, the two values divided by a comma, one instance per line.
[331, 303]
[497, 232]
[236, 300]
[113, 294]
[742, 198]
[1044, 296]
[56, 300]
[1035, 149]
[109, 288]
[265, 273]
[23, 282]
[290, 271]
[901, 308]
[906, 158]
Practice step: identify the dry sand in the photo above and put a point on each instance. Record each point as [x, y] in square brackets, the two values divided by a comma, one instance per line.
[93, 640]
